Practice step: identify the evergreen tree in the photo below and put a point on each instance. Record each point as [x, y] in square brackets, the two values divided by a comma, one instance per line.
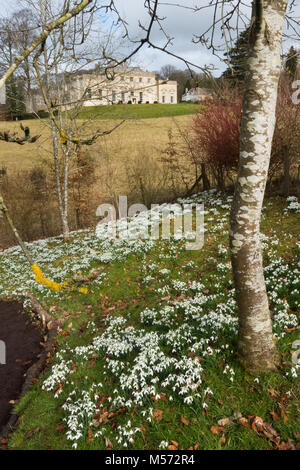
[15, 100]
[237, 59]
[291, 62]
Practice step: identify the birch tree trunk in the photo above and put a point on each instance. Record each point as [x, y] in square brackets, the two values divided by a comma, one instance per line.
[256, 347]
[62, 196]
[61, 207]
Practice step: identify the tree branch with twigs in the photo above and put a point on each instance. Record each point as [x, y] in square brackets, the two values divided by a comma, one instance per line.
[41, 38]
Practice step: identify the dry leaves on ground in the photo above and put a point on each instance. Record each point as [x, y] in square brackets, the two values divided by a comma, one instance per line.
[157, 415]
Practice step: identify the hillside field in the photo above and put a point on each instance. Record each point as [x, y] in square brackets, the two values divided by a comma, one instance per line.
[138, 111]
[133, 137]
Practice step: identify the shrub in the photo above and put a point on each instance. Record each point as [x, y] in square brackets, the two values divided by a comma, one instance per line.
[284, 165]
[216, 137]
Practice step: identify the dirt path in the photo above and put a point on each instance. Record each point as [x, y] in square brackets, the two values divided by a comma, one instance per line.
[22, 342]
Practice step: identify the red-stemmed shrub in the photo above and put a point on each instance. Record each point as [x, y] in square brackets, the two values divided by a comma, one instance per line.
[216, 137]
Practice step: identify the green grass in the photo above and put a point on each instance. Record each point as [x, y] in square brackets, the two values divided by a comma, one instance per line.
[125, 293]
[138, 111]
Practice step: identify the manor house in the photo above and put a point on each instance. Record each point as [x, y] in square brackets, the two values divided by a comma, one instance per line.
[123, 85]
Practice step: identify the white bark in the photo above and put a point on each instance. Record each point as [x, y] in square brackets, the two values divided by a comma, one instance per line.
[62, 193]
[256, 347]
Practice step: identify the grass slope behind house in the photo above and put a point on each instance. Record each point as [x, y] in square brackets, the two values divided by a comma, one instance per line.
[138, 111]
[147, 358]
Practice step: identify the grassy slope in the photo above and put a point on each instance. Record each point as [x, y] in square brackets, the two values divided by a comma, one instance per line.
[125, 292]
[138, 111]
[134, 137]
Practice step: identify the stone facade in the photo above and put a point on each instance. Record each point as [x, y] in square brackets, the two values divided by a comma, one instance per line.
[197, 95]
[127, 85]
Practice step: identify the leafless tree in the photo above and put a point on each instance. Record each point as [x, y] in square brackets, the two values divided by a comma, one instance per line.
[56, 65]
[69, 11]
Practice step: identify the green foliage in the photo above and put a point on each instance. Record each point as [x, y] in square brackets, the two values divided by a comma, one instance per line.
[186, 79]
[291, 62]
[15, 99]
[236, 59]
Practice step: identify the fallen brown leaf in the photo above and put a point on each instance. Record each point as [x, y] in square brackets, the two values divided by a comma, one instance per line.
[256, 423]
[60, 428]
[108, 443]
[274, 416]
[270, 433]
[184, 421]
[32, 432]
[134, 410]
[217, 429]
[244, 422]
[289, 445]
[273, 392]
[157, 415]
[225, 422]
[194, 447]
[282, 414]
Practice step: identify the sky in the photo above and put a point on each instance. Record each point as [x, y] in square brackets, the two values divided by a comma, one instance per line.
[183, 24]
[179, 23]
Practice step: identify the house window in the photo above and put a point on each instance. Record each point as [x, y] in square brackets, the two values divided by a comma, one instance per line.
[141, 96]
[122, 78]
[89, 93]
[149, 80]
[132, 93]
[114, 96]
[123, 97]
[131, 79]
[172, 99]
[163, 99]
[100, 93]
[140, 80]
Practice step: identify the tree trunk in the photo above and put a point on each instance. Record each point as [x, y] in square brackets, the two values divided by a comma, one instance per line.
[63, 215]
[256, 347]
[205, 180]
[4, 211]
[63, 208]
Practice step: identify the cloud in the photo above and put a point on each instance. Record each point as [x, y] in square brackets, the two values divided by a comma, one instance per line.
[182, 24]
